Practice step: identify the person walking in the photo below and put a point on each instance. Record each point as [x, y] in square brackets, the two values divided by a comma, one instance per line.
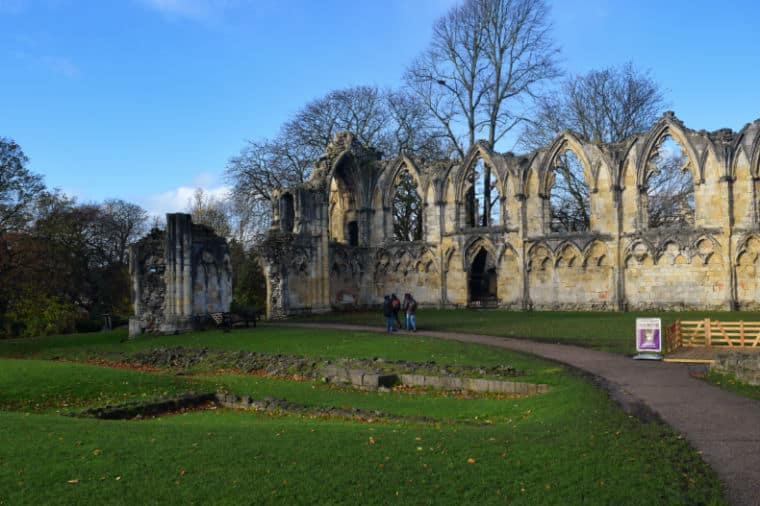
[396, 307]
[410, 308]
[388, 314]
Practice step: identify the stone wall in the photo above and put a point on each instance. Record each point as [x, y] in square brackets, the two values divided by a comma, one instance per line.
[177, 275]
[744, 366]
[335, 249]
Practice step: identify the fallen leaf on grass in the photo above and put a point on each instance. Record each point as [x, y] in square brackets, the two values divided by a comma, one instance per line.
[371, 440]
[471, 460]
[73, 482]
[182, 472]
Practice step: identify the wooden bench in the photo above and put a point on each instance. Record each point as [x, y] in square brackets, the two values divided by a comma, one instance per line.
[223, 320]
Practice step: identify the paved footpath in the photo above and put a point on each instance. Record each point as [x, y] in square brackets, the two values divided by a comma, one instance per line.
[721, 425]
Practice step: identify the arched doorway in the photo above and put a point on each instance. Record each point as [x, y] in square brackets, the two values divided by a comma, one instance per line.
[482, 281]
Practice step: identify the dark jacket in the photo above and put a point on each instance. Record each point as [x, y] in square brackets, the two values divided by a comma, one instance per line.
[387, 308]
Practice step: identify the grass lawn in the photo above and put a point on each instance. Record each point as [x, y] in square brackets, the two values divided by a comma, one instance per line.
[606, 331]
[571, 445]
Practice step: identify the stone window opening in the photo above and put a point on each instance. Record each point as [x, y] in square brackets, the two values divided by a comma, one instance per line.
[482, 280]
[287, 213]
[569, 201]
[406, 208]
[482, 200]
[353, 233]
[669, 188]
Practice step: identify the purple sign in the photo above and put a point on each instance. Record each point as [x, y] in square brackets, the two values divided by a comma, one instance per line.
[648, 332]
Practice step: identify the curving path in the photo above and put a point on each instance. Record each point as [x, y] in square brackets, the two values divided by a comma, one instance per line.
[724, 427]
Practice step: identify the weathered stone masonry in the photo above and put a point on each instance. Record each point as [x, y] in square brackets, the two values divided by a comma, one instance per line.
[331, 244]
[177, 275]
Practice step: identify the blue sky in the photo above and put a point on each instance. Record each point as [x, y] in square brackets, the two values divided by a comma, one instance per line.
[147, 99]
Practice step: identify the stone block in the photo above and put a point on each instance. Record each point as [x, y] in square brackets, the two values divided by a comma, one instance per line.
[356, 377]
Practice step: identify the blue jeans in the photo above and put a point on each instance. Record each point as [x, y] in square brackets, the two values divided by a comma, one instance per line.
[389, 324]
[411, 322]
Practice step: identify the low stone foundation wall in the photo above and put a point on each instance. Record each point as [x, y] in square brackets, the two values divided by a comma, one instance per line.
[373, 380]
[745, 366]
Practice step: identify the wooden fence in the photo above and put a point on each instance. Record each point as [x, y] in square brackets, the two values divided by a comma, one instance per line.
[708, 333]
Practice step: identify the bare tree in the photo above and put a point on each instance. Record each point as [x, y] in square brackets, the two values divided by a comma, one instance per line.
[670, 188]
[605, 106]
[210, 211]
[392, 122]
[485, 58]
[569, 198]
[449, 76]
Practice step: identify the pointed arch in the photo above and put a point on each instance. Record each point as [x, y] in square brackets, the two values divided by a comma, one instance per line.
[399, 165]
[667, 126]
[475, 245]
[479, 174]
[566, 141]
[567, 255]
[596, 254]
[540, 256]
[748, 251]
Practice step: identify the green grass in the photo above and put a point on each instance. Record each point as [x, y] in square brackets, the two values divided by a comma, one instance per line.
[730, 383]
[35, 385]
[277, 340]
[606, 331]
[237, 457]
[571, 445]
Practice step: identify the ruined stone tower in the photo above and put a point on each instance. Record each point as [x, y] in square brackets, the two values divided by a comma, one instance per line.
[178, 274]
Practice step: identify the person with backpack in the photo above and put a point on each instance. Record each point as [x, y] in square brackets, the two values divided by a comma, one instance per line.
[410, 308]
[388, 314]
[396, 307]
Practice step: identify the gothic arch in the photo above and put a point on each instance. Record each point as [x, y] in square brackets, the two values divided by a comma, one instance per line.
[505, 249]
[474, 246]
[748, 250]
[387, 190]
[477, 152]
[568, 255]
[596, 254]
[639, 251]
[566, 141]
[667, 126]
[540, 256]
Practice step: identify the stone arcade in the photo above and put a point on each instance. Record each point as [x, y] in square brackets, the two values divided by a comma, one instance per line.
[331, 245]
[177, 275]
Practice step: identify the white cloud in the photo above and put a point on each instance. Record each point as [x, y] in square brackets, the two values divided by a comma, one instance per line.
[178, 199]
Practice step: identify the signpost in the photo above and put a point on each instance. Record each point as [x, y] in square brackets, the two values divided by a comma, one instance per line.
[648, 338]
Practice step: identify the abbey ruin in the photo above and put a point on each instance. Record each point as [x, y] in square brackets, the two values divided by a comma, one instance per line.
[178, 275]
[332, 243]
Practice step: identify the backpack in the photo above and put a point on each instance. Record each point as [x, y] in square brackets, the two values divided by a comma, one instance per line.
[395, 303]
[413, 306]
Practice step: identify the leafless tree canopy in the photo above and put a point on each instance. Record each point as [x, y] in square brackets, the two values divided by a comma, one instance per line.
[569, 196]
[670, 188]
[486, 57]
[207, 210]
[393, 122]
[604, 105]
